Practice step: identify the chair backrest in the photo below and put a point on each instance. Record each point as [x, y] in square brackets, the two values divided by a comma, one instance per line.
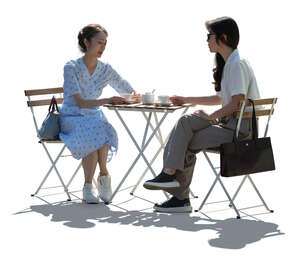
[45, 101]
[266, 109]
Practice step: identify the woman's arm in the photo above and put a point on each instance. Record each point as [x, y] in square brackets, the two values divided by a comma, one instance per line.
[117, 82]
[82, 103]
[209, 100]
[228, 109]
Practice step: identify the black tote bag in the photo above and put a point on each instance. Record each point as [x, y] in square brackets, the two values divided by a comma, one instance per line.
[247, 156]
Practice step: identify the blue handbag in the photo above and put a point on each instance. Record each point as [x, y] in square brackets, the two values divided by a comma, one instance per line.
[50, 127]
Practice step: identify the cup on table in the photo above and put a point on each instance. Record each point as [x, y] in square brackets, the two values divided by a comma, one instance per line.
[163, 99]
[128, 98]
[148, 98]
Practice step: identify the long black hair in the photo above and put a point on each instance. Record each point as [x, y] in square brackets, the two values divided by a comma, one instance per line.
[223, 26]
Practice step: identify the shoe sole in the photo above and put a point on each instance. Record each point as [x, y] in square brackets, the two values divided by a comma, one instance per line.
[158, 186]
[185, 209]
[90, 202]
[105, 200]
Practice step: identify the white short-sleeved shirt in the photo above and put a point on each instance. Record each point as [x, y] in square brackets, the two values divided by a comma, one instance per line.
[238, 78]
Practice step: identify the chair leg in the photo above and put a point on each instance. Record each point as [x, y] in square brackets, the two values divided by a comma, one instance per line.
[53, 166]
[73, 176]
[258, 193]
[207, 195]
[57, 172]
[223, 187]
[238, 189]
[49, 171]
[256, 190]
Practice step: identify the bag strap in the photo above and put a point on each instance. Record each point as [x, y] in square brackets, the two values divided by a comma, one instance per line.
[254, 124]
[53, 105]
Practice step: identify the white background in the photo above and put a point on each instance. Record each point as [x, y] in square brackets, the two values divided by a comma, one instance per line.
[152, 44]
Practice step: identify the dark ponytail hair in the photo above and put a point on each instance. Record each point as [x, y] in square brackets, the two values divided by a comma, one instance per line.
[223, 26]
[88, 32]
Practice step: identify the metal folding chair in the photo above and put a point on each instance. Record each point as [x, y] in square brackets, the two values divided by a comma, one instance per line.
[46, 102]
[262, 111]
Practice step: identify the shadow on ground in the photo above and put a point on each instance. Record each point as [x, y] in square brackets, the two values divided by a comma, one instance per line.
[232, 233]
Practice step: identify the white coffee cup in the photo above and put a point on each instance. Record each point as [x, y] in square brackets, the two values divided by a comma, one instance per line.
[148, 98]
[128, 98]
[163, 99]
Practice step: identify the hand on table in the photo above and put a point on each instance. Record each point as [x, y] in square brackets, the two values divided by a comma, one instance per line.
[116, 100]
[177, 100]
[136, 97]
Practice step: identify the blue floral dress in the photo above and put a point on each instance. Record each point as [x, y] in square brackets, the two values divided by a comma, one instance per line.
[84, 130]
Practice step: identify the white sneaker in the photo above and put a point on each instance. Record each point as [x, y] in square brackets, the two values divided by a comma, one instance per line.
[104, 187]
[88, 194]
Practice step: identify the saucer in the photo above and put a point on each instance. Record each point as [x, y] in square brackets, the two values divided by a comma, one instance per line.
[147, 103]
[130, 102]
[163, 104]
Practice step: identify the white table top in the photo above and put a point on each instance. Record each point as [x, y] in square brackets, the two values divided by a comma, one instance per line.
[146, 108]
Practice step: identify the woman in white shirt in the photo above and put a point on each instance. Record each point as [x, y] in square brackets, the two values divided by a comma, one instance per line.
[234, 81]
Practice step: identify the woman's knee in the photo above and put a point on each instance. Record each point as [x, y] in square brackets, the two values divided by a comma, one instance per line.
[103, 148]
[185, 119]
[92, 156]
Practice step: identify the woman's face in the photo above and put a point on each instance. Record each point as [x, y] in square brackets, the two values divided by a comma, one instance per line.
[96, 45]
[212, 42]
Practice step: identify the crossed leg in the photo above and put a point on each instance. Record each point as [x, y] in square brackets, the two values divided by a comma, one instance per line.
[89, 163]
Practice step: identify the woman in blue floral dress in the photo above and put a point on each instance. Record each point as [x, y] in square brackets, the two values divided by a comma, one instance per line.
[84, 127]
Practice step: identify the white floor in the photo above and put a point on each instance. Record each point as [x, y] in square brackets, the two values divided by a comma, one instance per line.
[48, 224]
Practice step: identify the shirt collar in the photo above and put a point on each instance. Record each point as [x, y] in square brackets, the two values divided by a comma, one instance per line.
[233, 56]
[85, 69]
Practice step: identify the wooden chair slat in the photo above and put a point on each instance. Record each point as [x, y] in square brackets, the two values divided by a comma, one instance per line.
[43, 102]
[35, 92]
[257, 112]
[264, 101]
[51, 141]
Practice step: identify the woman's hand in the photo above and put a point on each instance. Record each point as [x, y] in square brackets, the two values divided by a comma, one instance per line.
[206, 116]
[177, 100]
[136, 97]
[116, 100]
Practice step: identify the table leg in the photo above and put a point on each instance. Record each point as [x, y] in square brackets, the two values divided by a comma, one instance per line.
[141, 150]
[163, 143]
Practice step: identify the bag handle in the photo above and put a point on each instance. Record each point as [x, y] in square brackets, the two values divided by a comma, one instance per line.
[53, 105]
[254, 124]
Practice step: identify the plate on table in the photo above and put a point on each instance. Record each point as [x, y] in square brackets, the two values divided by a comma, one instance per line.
[131, 102]
[147, 103]
[165, 104]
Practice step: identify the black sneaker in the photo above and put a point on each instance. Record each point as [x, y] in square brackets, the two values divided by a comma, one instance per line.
[174, 205]
[162, 181]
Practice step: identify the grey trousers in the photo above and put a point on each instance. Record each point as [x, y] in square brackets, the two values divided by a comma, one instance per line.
[191, 134]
